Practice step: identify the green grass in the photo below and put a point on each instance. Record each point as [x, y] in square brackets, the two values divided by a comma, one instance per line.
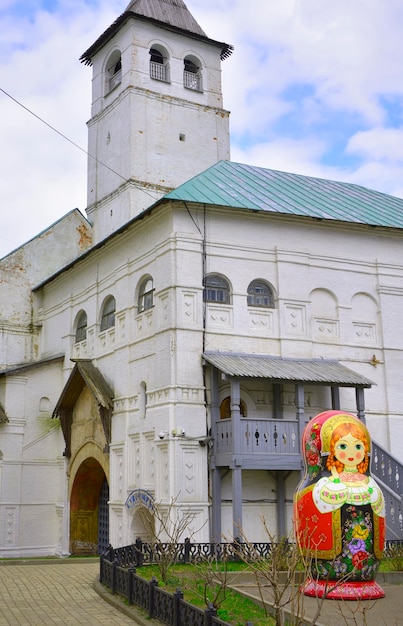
[234, 609]
[391, 564]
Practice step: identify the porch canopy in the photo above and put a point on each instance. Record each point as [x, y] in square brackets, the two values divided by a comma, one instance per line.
[280, 370]
[84, 373]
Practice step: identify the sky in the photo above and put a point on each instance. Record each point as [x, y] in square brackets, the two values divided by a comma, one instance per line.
[314, 87]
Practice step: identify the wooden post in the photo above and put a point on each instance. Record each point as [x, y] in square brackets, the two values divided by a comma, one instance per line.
[216, 505]
[280, 485]
[335, 398]
[360, 401]
[215, 474]
[277, 401]
[237, 502]
[236, 450]
[300, 412]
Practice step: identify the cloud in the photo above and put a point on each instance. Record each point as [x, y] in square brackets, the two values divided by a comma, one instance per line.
[381, 151]
[313, 87]
[43, 175]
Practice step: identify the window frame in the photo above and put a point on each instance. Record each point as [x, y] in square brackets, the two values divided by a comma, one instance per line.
[145, 300]
[81, 328]
[192, 74]
[108, 314]
[253, 297]
[159, 65]
[209, 289]
[113, 71]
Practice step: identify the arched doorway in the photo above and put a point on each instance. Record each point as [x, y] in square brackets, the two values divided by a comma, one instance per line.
[89, 517]
[142, 525]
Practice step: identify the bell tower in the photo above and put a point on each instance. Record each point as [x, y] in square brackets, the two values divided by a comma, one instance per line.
[157, 116]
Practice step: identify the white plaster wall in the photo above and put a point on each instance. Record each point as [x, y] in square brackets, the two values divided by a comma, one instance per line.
[145, 348]
[137, 127]
[23, 269]
[32, 477]
[161, 348]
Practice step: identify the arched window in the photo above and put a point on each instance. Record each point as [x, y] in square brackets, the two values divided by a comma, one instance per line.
[146, 295]
[192, 74]
[216, 289]
[260, 294]
[81, 328]
[108, 313]
[159, 66]
[113, 75]
[143, 399]
[225, 408]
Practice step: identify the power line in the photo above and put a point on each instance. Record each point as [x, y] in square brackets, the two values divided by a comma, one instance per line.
[69, 140]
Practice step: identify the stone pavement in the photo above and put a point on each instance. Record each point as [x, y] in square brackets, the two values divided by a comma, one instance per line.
[387, 611]
[61, 592]
[66, 592]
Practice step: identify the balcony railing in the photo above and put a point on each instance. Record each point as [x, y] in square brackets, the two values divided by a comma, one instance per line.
[192, 80]
[258, 442]
[159, 71]
[115, 80]
[264, 436]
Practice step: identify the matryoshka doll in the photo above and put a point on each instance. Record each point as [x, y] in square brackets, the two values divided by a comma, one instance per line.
[339, 510]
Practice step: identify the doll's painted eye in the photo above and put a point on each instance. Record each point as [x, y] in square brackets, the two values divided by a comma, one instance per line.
[342, 446]
[358, 446]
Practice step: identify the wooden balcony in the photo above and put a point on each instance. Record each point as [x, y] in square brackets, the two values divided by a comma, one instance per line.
[257, 444]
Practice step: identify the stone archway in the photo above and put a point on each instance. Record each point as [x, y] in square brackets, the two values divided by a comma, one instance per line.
[88, 500]
[142, 525]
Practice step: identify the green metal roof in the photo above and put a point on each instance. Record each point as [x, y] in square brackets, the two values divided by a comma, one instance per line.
[241, 186]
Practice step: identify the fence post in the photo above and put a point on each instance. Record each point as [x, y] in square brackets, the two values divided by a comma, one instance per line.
[178, 596]
[236, 544]
[131, 571]
[151, 586]
[101, 568]
[139, 552]
[114, 570]
[110, 552]
[186, 554]
[209, 613]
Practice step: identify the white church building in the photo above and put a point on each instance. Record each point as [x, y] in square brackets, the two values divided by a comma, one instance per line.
[168, 347]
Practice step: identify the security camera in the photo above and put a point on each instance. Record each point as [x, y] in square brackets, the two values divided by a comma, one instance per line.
[178, 432]
[162, 434]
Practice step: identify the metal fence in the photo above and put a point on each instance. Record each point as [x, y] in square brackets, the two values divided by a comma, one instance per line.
[141, 553]
[168, 608]
[118, 572]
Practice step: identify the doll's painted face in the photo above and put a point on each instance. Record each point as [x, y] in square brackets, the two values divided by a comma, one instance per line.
[349, 451]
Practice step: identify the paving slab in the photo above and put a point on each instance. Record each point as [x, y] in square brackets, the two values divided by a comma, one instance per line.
[37, 593]
[67, 592]
[387, 611]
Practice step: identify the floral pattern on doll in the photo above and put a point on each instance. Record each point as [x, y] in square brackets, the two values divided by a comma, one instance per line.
[357, 560]
[312, 452]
